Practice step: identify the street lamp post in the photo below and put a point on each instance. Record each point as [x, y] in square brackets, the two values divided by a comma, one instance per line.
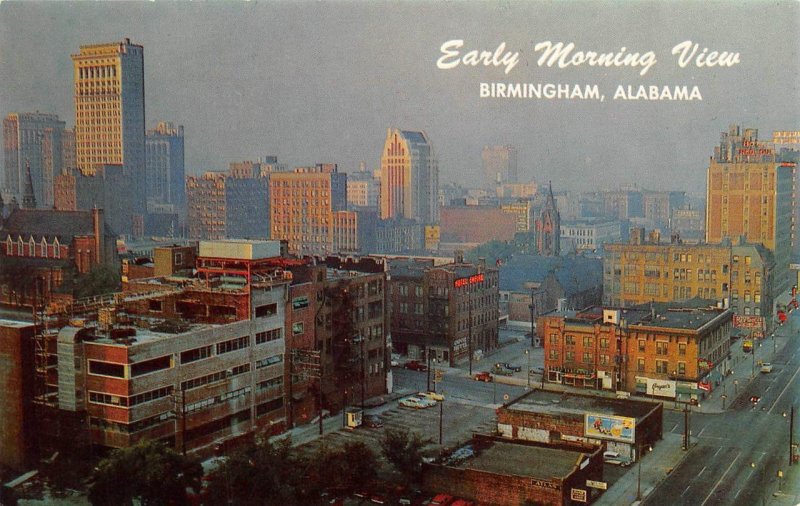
[441, 414]
[434, 375]
[428, 358]
[639, 478]
[528, 356]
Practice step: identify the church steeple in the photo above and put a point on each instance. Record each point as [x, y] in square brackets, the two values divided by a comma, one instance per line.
[28, 198]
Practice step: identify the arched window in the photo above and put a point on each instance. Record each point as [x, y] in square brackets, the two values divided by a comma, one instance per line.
[20, 246]
[56, 248]
[43, 247]
[31, 247]
[9, 246]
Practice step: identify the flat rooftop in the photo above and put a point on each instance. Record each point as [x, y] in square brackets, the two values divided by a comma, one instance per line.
[14, 324]
[556, 403]
[517, 459]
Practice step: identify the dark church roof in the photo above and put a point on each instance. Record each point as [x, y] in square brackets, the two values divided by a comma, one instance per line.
[48, 223]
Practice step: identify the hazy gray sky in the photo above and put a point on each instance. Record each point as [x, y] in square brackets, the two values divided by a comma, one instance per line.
[317, 82]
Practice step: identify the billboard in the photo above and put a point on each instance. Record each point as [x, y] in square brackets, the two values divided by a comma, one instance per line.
[748, 321]
[616, 428]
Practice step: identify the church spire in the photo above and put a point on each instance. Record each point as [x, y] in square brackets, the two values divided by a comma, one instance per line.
[28, 198]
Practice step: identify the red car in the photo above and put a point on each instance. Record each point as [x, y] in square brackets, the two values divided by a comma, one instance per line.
[483, 376]
[416, 365]
[442, 500]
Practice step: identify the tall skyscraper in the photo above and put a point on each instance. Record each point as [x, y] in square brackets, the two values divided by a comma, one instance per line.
[499, 165]
[750, 194]
[302, 207]
[409, 177]
[33, 139]
[109, 106]
[109, 119]
[165, 169]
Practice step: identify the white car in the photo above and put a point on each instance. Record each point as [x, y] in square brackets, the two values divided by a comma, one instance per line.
[415, 402]
[616, 459]
[766, 367]
[431, 395]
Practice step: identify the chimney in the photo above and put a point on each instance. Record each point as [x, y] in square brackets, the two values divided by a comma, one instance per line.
[97, 226]
[458, 256]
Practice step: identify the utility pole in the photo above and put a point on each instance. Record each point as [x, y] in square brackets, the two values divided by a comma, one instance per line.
[183, 421]
[428, 358]
[441, 414]
[434, 375]
[791, 435]
[639, 478]
[528, 356]
[685, 427]
[363, 372]
[753, 351]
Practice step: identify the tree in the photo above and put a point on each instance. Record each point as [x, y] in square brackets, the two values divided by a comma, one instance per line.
[262, 474]
[100, 280]
[149, 472]
[404, 451]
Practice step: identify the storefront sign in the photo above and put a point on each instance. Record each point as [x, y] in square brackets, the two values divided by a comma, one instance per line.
[597, 484]
[544, 484]
[657, 387]
[704, 386]
[748, 321]
[578, 494]
[616, 428]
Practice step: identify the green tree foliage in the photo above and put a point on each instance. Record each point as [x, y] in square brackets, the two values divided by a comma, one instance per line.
[100, 280]
[404, 451]
[148, 472]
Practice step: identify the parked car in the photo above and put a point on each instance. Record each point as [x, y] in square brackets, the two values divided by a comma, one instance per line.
[424, 399]
[462, 502]
[416, 365]
[502, 371]
[511, 367]
[433, 396]
[616, 459]
[373, 421]
[483, 376]
[766, 367]
[412, 401]
[395, 360]
[442, 500]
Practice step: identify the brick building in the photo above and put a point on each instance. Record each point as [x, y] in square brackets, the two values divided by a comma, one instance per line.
[625, 426]
[673, 351]
[53, 246]
[450, 310]
[740, 276]
[510, 473]
[191, 363]
[476, 224]
[17, 441]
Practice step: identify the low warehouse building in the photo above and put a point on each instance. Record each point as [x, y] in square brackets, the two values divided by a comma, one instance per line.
[503, 472]
[623, 425]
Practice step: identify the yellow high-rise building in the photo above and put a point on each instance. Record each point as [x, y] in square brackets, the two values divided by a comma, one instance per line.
[409, 177]
[750, 194]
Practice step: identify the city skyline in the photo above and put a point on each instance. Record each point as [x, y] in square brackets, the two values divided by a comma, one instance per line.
[258, 84]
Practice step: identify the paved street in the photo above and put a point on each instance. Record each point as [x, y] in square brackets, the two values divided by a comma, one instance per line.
[736, 454]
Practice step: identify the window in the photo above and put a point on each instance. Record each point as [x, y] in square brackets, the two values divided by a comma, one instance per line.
[106, 369]
[682, 368]
[266, 310]
[554, 338]
[570, 340]
[661, 347]
[661, 366]
[570, 356]
[269, 335]
[195, 354]
[640, 365]
[681, 348]
[604, 359]
[297, 328]
[604, 343]
[149, 396]
[587, 358]
[641, 344]
[233, 345]
[553, 354]
[300, 302]
[587, 341]
[264, 362]
[153, 365]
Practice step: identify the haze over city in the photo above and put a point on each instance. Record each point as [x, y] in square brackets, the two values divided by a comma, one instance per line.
[313, 82]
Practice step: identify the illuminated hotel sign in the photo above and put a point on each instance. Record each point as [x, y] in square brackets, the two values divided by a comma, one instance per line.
[786, 137]
[751, 148]
[477, 278]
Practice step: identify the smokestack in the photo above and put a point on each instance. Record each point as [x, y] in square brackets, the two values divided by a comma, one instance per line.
[97, 225]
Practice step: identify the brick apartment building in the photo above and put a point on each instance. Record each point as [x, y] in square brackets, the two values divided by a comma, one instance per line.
[450, 310]
[673, 351]
[738, 275]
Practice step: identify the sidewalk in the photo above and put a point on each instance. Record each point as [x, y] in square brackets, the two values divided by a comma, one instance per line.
[656, 466]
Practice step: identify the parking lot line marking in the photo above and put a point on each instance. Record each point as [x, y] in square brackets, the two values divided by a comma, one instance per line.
[701, 471]
[788, 383]
[685, 490]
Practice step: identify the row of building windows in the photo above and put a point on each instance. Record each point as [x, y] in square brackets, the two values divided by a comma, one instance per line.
[218, 399]
[131, 428]
[116, 400]
[44, 250]
[214, 377]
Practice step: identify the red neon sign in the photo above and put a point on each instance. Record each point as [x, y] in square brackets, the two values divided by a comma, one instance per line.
[477, 278]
